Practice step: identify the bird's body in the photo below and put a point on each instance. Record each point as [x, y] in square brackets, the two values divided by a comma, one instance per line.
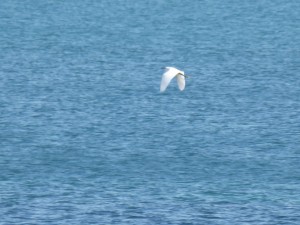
[169, 74]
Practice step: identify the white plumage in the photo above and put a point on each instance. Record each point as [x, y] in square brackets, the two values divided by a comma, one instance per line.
[169, 74]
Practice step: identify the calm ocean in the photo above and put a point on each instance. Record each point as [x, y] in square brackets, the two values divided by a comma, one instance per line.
[86, 137]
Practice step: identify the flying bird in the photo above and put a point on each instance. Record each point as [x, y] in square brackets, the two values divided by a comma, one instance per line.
[169, 74]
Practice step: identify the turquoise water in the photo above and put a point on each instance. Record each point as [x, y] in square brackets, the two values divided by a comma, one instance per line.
[86, 137]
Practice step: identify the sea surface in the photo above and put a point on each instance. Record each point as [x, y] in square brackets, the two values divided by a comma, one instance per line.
[86, 137]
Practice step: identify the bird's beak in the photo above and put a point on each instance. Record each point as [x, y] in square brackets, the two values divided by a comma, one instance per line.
[186, 76]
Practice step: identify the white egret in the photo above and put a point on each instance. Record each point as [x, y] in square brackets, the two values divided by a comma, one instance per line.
[170, 73]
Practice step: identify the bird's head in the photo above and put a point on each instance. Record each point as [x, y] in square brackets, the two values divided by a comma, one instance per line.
[182, 74]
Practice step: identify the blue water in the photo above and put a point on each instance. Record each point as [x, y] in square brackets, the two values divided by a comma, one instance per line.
[86, 137]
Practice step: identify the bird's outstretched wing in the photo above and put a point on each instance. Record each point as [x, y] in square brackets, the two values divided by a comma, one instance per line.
[181, 82]
[169, 74]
